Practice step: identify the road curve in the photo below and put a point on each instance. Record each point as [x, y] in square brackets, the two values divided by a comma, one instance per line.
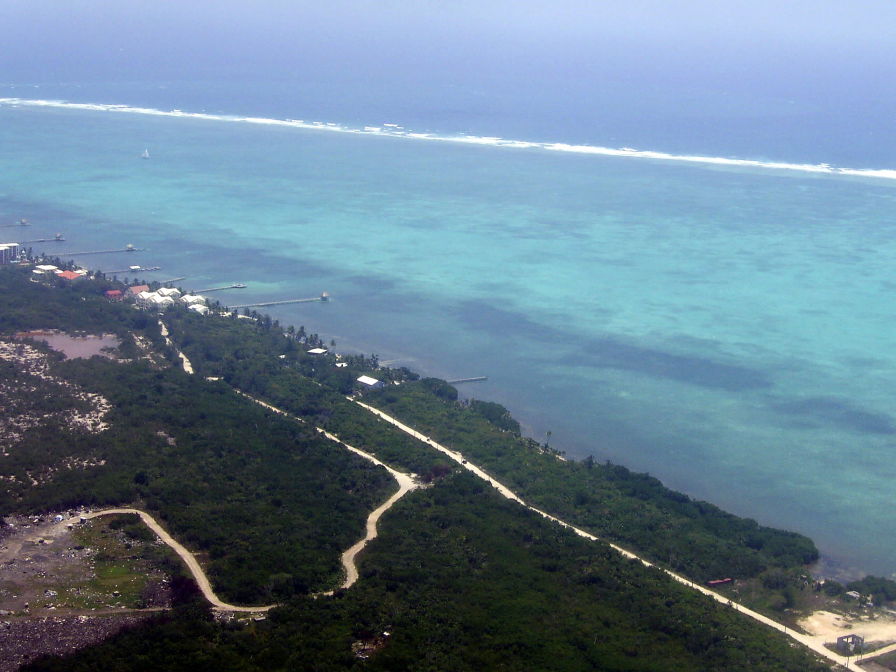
[189, 559]
[406, 483]
[814, 643]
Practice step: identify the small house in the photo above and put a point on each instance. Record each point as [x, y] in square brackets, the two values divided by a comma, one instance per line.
[371, 383]
[317, 351]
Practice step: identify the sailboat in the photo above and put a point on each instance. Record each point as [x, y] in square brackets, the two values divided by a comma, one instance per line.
[145, 154]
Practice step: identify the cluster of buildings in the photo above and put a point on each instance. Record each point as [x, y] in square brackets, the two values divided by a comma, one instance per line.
[165, 297]
[49, 271]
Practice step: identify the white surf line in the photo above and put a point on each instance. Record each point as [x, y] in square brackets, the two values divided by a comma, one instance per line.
[189, 559]
[406, 483]
[188, 367]
[815, 643]
[395, 131]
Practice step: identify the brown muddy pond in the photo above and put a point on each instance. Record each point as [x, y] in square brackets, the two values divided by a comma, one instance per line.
[74, 347]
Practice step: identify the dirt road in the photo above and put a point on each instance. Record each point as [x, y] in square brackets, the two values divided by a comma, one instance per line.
[816, 642]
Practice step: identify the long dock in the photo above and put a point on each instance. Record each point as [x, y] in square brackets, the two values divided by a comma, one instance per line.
[123, 249]
[235, 285]
[474, 379]
[277, 303]
[43, 240]
[141, 269]
[168, 282]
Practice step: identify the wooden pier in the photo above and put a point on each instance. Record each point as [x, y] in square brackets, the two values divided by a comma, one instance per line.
[168, 282]
[474, 379]
[129, 248]
[235, 285]
[43, 240]
[264, 304]
[141, 269]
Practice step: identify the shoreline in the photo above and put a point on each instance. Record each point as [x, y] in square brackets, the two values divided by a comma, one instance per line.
[829, 566]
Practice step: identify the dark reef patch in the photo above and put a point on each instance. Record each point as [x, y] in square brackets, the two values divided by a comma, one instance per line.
[838, 412]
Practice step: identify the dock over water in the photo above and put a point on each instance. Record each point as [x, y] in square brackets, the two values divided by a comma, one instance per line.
[235, 285]
[279, 303]
[474, 379]
[129, 248]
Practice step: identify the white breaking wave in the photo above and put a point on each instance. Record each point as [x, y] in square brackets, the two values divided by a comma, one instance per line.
[396, 131]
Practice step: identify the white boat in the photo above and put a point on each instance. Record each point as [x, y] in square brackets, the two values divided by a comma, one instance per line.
[145, 154]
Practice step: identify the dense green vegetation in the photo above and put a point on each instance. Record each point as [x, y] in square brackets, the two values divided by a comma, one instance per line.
[462, 579]
[693, 537]
[262, 495]
[270, 502]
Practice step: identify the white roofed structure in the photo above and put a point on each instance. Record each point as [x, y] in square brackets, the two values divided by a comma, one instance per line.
[371, 383]
[192, 300]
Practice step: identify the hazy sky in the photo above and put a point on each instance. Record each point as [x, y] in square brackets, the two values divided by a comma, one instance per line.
[72, 39]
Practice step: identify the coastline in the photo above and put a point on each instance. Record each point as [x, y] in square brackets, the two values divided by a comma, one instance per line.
[828, 566]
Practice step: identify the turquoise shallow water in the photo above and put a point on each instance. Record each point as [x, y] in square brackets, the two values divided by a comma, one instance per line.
[728, 330]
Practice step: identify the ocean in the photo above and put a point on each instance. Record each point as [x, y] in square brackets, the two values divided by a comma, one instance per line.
[700, 305]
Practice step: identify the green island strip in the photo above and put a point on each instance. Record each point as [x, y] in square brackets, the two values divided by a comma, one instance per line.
[459, 576]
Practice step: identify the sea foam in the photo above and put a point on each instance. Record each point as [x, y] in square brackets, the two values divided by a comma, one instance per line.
[396, 131]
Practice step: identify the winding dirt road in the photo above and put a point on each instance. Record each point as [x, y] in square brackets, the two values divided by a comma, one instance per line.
[189, 559]
[406, 483]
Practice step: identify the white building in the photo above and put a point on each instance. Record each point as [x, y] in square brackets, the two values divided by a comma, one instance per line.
[160, 302]
[9, 253]
[169, 292]
[144, 298]
[371, 383]
[192, 300]
[317, 351]
[199, 308]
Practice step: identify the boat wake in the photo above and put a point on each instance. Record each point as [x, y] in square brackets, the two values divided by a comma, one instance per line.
[394, 130]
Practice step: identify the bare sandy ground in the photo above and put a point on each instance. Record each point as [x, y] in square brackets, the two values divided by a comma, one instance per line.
[828, 626]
